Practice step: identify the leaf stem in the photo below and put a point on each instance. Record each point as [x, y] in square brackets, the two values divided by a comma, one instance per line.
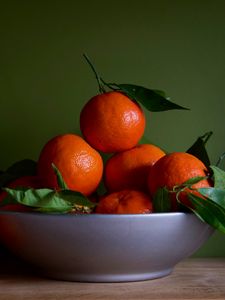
[100, 86]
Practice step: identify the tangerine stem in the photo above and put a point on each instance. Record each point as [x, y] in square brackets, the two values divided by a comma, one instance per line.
[112, 86]
[101, 88]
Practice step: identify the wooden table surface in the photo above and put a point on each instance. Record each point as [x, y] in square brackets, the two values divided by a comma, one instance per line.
[191, 279]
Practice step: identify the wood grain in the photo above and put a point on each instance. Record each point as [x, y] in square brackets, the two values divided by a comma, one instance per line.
[191, 279]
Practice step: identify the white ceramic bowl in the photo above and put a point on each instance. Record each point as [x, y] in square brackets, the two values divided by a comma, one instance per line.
[103, 248]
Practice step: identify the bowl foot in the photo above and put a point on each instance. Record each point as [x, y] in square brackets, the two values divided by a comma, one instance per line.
[107, 277]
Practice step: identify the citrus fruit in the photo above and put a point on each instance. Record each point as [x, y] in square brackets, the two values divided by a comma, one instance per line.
[129, 169]
[25, 181]
[80, 165]
[125, 202]
[174, 169]
[112, 122]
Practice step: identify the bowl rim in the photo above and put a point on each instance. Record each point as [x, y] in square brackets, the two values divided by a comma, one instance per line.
[96, 215]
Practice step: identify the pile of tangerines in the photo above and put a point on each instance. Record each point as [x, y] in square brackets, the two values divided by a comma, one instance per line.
[111, 122]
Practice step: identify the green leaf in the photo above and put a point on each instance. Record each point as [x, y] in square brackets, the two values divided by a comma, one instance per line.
[187, 184]
[208, 211]
[193, 180]
[198, 148]
[221, 158]
[161, 93]
[161, 200]
[61, 183]
[42, 199]
[76, 198]
[23, 167]
[26, 167]
[215, 194]
[153, 100]
[47, 200]
[218, 177]
[8, 199]
[51, 202]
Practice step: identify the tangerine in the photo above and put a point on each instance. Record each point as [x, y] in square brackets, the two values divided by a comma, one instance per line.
[112, 122]
[125, 202]
[174, 169]
[80, 165]
[129, 169]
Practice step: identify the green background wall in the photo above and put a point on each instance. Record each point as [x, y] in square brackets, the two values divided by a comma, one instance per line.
[177, 46]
